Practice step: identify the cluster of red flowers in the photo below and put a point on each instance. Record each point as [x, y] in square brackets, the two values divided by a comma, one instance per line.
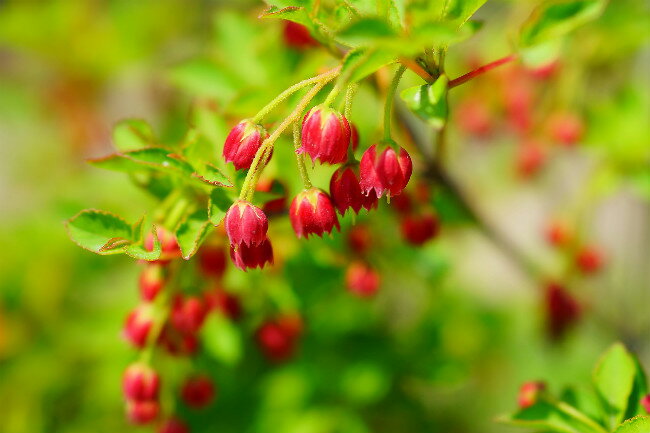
[419, 222]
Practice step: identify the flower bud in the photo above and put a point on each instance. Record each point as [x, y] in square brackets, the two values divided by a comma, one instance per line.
[417, 229]
[590, 259]
[529, 393]
[384, 171]
[359, 239]
[246, 224]
[562, 310]
[168, 244]
[362, 280]
[138, 324]
[253, 256]
[645, 403]
[224, 302]
[346, 192]
[325, 135]
[188, 314]
[297, 36]
[276, 342]
[566, 128]
[142, 411]
[198, 391]
[558, 234]
[530, 158]
[212, 261]
[173, 425]
[242, 143]
[312, 212]
[140, 382]
[178, 343]
[152, 280]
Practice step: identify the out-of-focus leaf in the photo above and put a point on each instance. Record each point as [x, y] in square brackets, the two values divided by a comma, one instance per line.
[393, 10]
[292, 13]
[367, 32]
[614, 379]
[429, 101]
[218, 205]
[639, 424]
[132, 134]
[222, 339]
[543, 416]
[361, 62]
[555, 18]
[192, 232]
[100, 232]
[204, 78]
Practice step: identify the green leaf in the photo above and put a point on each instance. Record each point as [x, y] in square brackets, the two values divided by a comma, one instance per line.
[614, 379]
[393, 10]
[367, 31]
[542, 416]
[429, 101]
[639, 424]
[291, 13]
[100, 232]
[361, 62]
[132, 134]
[206, 79]
[453, 12]
[192, 232]
[212, 176]
[156, 158]
[555, 18]
[138, 251]
[218, 205]
[222, 339]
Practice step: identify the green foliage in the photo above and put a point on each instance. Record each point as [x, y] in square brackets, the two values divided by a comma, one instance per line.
[429, 102]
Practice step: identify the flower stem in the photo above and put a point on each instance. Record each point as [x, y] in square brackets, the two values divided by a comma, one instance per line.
[284, 95]
[413, 66]
[390, 96]
[257, 166]
[479, 71]
[300, 158]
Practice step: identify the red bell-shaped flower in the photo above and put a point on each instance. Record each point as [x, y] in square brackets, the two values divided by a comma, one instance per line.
[297, 36]
[138, 324]
[346, 192]
[253, 256]
[325, 135]
[198, 391]
[312, 212]
[417, 229]
[151, 281]
[562, 310]
[277, 340]
[590, 259]
[246, 224]
[362, 280]
[140, 382]
[384, 171]
[173, 425]
[188, 313]
[142, 411]
[242, 143]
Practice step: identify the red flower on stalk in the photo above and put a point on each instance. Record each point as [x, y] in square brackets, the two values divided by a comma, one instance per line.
[198, 391]
[151, 281]
[418, 229]
[138, 324]
[384, 171]
[297, 36]
[243, 141]
[325, 135]
[253, 256]
[142, 411]
[346, 192]
[246, 224]
[140, 382]
[529, 393]
[312, 212]
[362, 280]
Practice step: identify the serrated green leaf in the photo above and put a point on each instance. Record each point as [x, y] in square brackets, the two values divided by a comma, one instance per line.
[212, 176]
[100, 232]
[555, 18]
[218, 205]
[429, 101]
[614, 379]
[157, 158]
[393, 10]
[138, 251]
[639, 424]
[291, 13]
[192, 232]
[222, 339]
[132, 134]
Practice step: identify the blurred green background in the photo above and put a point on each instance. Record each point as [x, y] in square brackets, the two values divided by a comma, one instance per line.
[457, 326]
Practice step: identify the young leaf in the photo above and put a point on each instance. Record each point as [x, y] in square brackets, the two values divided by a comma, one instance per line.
[100, 232]
[639, 424]
[614, 378]
[429, 101]
[555, 18]
[218, 205]
[222, 339]
[192, 232]
[132, 134]
[361, 62]
[290, 13]
[213, 176]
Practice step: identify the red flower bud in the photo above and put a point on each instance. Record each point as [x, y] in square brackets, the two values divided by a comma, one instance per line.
[173, 425]
[354, 137]
[224, 302]
[178, 343]
[188, 314]
[254, 256]
[312, 212]
[198, 391]
[142, 412]
[325, 135]
[590, 259]
[474, 117]
[562, 310]
[243, 141]
[212, 261]
[403, 203]
[152, 280]
[359, 239]
[297, 36]
[246, 224]
[417, 229]
[530, 158]
[645, 402]
[566, 128]
[558, 234]
[168, 244]
[362, 280]
[346, 192]
[138, 324]
[529, 393]
[292, 324]
[384, 171]
[140, 382]
[276, 342]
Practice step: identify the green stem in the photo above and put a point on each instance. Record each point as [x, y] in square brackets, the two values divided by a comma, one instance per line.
[284, 95]
[270, 141]
[300, 158]
[390, 96]
[177, 211]
[332, 95]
